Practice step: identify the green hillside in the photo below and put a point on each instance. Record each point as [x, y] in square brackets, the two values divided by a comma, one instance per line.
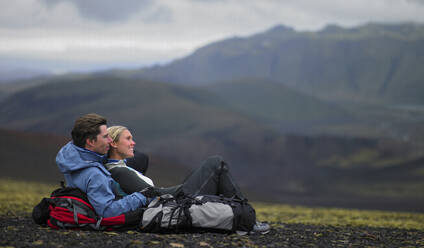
[156, 109]
[290, 111]
[275, 104]
[175, 121]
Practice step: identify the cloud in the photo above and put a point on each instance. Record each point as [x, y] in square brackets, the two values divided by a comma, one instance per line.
[416, 1]
[147, 31]
[79, 14]
[30, 14]
[105, 10]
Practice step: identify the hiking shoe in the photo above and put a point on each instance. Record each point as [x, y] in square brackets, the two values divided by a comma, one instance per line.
[242, 233]
[261, 227]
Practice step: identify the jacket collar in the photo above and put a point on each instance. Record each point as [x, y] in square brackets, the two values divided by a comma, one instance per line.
[90, 155]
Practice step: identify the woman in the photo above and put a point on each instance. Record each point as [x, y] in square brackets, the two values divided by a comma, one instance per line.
[211, 178]
[129, 179]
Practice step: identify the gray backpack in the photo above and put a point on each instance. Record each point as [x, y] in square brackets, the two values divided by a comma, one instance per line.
[169, 214]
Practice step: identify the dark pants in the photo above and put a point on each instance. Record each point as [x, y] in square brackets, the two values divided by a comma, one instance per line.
[211, 178]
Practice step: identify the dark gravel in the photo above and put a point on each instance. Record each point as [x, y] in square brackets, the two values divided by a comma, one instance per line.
[21, 231]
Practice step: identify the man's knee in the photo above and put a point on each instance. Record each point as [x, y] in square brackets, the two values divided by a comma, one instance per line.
[216, 163]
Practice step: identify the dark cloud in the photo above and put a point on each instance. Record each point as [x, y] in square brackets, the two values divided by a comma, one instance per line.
[416, 1]
[105, 10]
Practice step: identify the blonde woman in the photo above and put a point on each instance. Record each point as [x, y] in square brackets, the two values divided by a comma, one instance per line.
[120, 152]
[211, 178]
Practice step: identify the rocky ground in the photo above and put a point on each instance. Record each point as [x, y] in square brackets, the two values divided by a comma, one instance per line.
[21, 231]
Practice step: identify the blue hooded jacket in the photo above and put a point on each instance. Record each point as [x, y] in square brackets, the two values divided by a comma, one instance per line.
[83, 169]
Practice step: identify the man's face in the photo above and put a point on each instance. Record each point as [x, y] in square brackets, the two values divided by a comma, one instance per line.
[101, 144]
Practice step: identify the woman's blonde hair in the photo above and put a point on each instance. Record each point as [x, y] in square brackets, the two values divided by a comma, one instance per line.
[115, 132]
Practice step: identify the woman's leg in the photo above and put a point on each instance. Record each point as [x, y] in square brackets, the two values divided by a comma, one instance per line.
[211, 178]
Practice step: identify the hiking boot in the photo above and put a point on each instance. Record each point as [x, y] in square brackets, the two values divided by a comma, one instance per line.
[259, 227]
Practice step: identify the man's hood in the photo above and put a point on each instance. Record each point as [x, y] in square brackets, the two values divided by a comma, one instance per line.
[72, 158]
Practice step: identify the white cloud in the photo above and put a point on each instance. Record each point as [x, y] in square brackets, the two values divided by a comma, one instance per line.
[143, 32]
[104, 10]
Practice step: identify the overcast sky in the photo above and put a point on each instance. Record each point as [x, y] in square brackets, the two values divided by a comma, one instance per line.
[64, 35]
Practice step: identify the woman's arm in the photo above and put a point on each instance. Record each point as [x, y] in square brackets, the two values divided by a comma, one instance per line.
[128, 179]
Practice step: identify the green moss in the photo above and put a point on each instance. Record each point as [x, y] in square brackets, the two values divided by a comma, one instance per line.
[368, 157]
[401, 190]
[20, 197]
[361, 157]
[338, 217]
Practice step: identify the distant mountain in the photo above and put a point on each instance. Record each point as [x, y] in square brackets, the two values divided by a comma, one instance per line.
[172, 119]
[157, 109]
[371, 63]
[10, 73]
[219, 119]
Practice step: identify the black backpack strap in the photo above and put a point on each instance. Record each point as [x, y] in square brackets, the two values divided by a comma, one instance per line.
[41, 212]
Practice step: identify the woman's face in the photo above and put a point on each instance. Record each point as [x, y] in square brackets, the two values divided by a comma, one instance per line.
[125, 145]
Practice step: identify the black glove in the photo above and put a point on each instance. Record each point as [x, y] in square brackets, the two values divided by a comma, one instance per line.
[150, 192]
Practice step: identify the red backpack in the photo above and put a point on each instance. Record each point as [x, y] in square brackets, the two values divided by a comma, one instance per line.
[69, 208]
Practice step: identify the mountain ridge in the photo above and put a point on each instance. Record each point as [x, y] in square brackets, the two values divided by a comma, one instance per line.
[371, 63]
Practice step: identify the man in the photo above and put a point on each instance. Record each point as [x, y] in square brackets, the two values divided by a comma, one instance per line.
[81, 162]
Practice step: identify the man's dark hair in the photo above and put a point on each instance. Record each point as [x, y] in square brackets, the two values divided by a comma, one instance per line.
[87, 127]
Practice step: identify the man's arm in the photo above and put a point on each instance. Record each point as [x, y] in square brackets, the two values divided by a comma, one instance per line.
[100, 195]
